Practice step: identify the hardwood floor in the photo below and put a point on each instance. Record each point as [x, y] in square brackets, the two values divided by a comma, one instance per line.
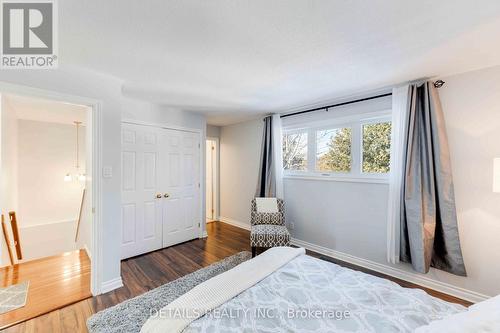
[55, 282]
[151, 270]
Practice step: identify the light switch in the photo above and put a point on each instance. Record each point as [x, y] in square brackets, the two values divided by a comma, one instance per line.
[107, 172]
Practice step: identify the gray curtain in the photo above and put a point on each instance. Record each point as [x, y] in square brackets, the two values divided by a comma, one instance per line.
[429, 232]
[266, 184]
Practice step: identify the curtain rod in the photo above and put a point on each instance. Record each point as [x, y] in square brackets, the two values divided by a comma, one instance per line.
[437, 84]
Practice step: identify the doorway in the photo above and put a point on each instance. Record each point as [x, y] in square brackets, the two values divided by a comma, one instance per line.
[48, 199]
[212, 176]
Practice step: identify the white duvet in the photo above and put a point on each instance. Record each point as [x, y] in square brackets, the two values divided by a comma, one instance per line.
[313, 295]
[218, 290]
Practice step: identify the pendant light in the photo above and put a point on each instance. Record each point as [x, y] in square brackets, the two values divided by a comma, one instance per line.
[79, 176]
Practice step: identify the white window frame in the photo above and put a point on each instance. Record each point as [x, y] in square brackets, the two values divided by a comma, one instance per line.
[354, 122]
[382, 119]
[298, 172]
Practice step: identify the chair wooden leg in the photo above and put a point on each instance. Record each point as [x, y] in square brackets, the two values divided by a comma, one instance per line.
[254, 249]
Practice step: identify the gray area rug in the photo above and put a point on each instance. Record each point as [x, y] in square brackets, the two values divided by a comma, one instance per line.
[129, 316]
[13, 297]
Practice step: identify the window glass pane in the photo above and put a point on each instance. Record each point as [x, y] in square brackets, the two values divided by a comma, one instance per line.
[295, 151]
[376, 147]
[333, 150]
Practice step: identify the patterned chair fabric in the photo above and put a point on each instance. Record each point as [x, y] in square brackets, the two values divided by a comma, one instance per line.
[268, 229]
[269, 235]
[268, 218]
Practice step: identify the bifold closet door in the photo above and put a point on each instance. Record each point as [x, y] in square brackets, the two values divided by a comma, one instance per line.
[180, 158]
[141, 229]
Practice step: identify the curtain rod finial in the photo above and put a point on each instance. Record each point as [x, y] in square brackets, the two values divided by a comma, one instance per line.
[439, 83]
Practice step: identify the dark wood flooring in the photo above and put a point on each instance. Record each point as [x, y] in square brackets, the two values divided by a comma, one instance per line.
[151, 270]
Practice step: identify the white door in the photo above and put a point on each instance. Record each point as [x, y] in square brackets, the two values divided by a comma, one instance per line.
[180, 165]
[141, 209]
[209, 181]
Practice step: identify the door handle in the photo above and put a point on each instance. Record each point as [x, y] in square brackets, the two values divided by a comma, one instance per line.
[166, 195]
[158, 196]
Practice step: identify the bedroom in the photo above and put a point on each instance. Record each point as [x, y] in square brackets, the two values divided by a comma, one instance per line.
[164, 77]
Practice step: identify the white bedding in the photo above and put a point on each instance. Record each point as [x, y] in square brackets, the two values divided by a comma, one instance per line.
[345, 300]
[218, 290]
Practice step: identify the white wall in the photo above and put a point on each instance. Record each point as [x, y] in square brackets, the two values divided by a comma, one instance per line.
[8, 181]
[9, 158]
[240, 146]
[47, 206]
[107, 90]
[46, 152]
[471, 102]
[349, 219]
[213, 131]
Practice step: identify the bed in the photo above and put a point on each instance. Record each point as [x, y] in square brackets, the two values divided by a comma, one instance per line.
[285, 290]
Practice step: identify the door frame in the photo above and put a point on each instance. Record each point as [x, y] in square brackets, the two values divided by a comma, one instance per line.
[95, 130]
[217, 175]
[201, 203]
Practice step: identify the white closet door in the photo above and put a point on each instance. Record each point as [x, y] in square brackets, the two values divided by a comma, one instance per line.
[141, 209]
[180, 170]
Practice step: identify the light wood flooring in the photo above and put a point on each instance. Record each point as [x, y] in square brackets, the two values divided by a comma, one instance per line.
[54, 282]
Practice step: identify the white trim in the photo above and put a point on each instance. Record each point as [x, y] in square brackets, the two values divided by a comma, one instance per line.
[416, 278]
[201, 178]
[381, 120]
[334, 178]
[217, 175]
[96, 128]
[88, 251]
[110, 285]
[234, 223]
[205, 234]
[355, 123]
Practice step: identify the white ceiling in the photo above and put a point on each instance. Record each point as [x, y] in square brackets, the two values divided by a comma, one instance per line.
[37, 109]
[235, 59]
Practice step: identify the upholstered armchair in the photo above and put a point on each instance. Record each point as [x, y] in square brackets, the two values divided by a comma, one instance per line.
[268, 229]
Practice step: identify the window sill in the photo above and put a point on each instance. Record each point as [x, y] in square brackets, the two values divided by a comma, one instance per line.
[368, 180]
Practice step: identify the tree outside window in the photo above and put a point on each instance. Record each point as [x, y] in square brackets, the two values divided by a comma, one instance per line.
[376, 147]
[333, 152]
[295, 151]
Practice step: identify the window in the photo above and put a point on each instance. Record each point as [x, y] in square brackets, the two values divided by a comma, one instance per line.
[295, 151]
[353, 148]
[376, 147]
[333, 150]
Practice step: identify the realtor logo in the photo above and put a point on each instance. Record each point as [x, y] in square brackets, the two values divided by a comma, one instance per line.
[29, 34]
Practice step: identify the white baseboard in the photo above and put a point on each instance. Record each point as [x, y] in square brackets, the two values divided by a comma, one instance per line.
[234, 222]
[415, 278]
[85, 247]
[205, 234]
[110, 285]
